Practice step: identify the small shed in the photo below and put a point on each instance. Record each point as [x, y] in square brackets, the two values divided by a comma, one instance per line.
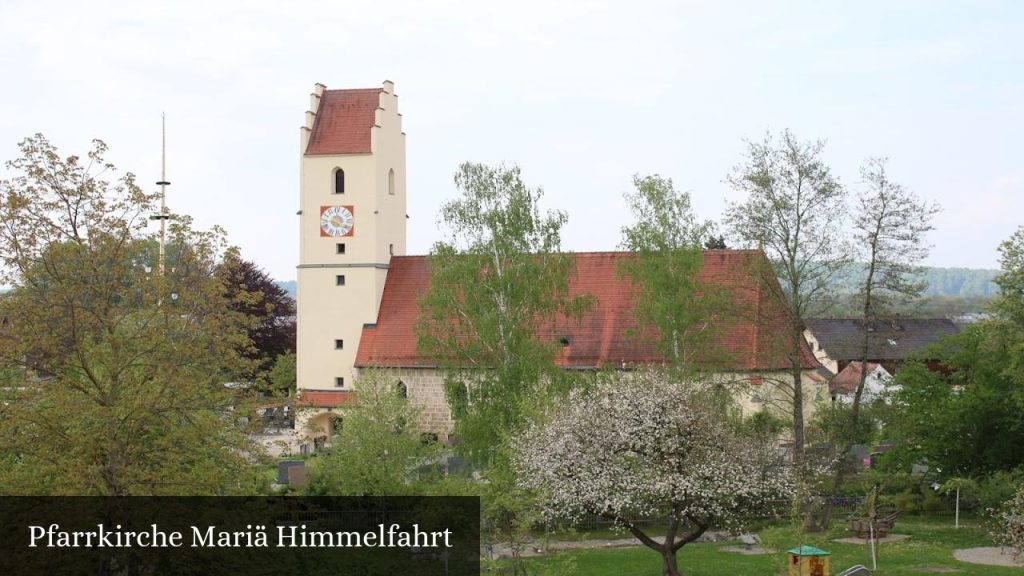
[808, 561]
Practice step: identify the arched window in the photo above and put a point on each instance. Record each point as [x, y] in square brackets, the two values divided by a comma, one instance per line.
[402, 389]
[391, 181]
[339, 181]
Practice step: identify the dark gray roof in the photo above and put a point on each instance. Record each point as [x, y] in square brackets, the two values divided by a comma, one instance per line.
[887, 339]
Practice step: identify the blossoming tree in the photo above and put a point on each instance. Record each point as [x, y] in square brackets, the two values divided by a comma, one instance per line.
[641, 444]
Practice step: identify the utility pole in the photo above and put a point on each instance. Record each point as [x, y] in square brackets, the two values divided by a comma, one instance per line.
[163, 184]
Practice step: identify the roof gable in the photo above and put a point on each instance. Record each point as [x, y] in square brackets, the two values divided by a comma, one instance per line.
[754, 338]
[343, 122]
[848, 379]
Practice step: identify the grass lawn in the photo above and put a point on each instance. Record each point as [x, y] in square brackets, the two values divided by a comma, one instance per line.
[929, 550]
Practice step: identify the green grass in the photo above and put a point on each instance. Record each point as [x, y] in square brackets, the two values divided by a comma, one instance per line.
[929, 550]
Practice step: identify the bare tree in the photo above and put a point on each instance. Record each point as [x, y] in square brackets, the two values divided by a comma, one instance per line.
[889, 228]
[794, 210]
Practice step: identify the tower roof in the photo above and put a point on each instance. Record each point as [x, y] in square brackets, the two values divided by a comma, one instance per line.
[343, 121]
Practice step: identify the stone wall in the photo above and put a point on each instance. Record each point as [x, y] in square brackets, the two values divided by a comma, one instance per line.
[425, 389]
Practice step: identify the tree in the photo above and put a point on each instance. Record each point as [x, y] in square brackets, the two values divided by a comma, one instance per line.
[269, 310]
[282, 377]
[794, 210]
[496, 281]
[378, 446]
[889, 227]
[1010, 518]
[1009, 305]
[715, 243]
[642, 444]
[969, 423]
[113, 373]
[673, 307]
[955, 486]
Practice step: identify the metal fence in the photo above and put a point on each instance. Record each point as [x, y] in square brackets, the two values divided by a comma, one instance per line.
[774, 509]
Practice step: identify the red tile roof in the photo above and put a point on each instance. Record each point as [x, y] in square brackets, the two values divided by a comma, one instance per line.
[326, 398]
[343, 121]
[754, 337]
[848, 379]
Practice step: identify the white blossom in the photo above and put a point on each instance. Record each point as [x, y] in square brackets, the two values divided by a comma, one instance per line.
[645, 445]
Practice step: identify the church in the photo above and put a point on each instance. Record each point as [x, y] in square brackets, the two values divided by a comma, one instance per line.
[358, 291]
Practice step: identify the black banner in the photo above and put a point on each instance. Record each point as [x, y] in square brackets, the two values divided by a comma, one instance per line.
[239, 536]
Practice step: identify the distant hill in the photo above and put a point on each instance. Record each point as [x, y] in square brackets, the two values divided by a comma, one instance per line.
[974, 284]
[965, 282]
[290, 286]
[952, 282]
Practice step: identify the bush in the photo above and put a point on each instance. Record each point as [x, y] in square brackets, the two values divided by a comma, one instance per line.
[935, 502]
[1011, 523]
[999, 488]
[906, 502]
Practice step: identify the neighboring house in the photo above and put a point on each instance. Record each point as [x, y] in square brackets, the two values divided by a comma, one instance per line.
[838, 342]
[358, 293]
[843, 387]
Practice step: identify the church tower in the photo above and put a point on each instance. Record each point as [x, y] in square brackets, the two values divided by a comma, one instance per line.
[352, 220]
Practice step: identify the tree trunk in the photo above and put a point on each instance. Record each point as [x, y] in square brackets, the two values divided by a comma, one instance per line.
[668, 562]
[798, 416]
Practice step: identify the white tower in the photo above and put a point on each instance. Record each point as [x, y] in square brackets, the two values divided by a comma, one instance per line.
[353, 213]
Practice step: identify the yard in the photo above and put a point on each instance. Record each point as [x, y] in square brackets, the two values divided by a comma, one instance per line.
[929, 550]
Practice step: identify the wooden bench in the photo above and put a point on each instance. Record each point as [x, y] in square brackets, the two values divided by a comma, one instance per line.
[883, 524]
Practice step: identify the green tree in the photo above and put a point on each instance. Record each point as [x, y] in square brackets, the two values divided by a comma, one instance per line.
[113, 374]
[673, 307]
[970, 423]
[794, 210]
[378, 447]
[496, 281]
[282, 376]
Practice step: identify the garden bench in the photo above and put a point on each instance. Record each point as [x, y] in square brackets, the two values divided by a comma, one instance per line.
[883, 524]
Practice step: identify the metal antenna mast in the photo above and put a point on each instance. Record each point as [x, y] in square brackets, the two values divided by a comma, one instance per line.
[163, 184]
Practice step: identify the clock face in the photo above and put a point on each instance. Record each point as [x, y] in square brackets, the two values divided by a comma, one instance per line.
[336, 221]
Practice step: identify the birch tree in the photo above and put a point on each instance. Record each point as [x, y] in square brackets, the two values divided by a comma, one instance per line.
[645, 444]
[794, 209]
[673, 306]
[495, 281]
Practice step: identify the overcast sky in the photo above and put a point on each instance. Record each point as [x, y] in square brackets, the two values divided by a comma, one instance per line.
[582, 95]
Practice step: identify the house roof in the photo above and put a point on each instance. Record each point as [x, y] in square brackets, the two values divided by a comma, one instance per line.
[887, 339]
[848, 379]
[343, 122]
[753, 336]
[326, 398]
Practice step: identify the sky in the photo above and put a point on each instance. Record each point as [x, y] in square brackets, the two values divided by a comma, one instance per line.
[581, 95]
